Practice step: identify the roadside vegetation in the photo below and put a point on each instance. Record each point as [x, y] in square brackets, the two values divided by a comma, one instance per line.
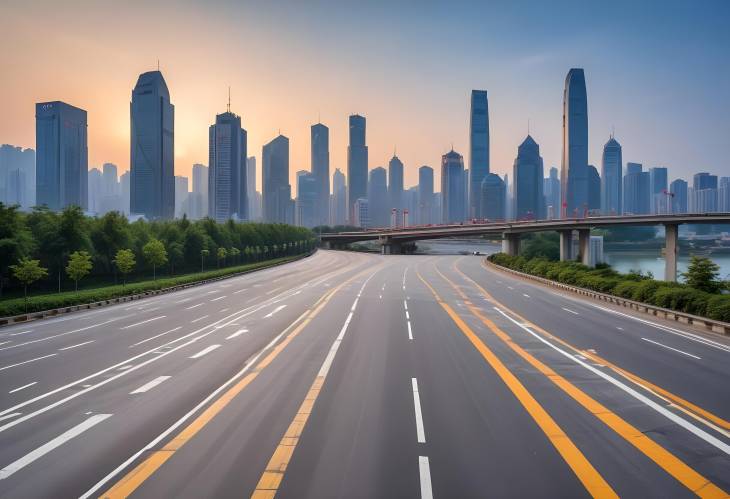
[701, 294]
[69, 258]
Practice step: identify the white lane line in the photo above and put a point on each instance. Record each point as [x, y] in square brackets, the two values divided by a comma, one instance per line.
[570, 311]
[420, 433]
[410, 331]
[198, 319]
[223, 310]
[277, 309]
[525, 295]
[26, 361]
[425, 473]
[213, 291]
[193, 306]
[10, 416]
[408, 317]
[22, 332]
[710, 439]
[219, 298]
[23, 387]
[510, 287]
[204, 351]
[150, 385]
[155, 336]
[49, 446]
[240, 291]
[5, 342]
[151, 309]
[237, 333]
[380, 297]
[673, 349]
[76, 345]
[619, 328]
[273, 291]
[46, 338]
[144, 322]
[405, 305]
[124, 368]
[185, 299]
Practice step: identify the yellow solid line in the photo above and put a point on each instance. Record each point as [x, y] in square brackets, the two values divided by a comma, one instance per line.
[583, 469]
[683, 473]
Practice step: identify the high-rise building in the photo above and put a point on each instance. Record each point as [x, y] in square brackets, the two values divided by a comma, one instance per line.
[452, 188]
[62, 154]
[395, 184]
[362, 216]
[379, 207]
[659, 190]
[227, 147]
[494, 197]
[678, 190]
[124, 189]
[409, 215]
[338, 208]
[307, 214]
[276, 187]
[181, 196]
[703, 195]
[357, 164]
[152, 160]
[573, 175]
[199, 196]
[723, 195]
[94, 188]
[636, 190]
[478, 149]
[425, 195]
[253, 196]
[17, 176]
[611, 178]
[551, 191]
[527, 175]
[593, 179]
[320, 140]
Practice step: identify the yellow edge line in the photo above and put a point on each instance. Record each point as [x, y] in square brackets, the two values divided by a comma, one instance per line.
[583, 469]
[683, 473]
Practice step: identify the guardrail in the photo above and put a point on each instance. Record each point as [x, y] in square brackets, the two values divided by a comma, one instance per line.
[664, 313]
[6, 321]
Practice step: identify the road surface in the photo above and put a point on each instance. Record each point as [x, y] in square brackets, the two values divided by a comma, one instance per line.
[356, 375]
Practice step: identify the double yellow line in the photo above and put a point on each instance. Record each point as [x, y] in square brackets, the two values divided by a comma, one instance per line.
[588, 476]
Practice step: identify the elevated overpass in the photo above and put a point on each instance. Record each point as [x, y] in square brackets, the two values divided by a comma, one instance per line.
[393, 240]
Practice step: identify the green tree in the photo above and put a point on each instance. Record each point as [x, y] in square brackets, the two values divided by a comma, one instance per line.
[125, 262]
[234, 253]
[28, 271]
[79, 266]
[155, 254]
[203, 255]
[222, 254]
[16, 241]
[703, 274]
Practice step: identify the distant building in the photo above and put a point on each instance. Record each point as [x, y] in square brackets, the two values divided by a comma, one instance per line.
[61, 156]
[378, 205]
[227, 148]
[307, 209]
[574, 188]
[703, 196]
[478, 149]
[410, 206]
[199, 196]
[253, 196]
[611, 178]
[362, 217]
[152, 160]
[453, 188]
[17, 176]
[395, 183]
[527, 174]
[182, 203]
[276, 188]
[593, 180]
[320, 142]
[678, 190]
[357, 164]
[636, 190]
[723, 195]
[494, 197]
[659, 190]
[94, 189]
[425, 196]
[124, 189]
[338, 206]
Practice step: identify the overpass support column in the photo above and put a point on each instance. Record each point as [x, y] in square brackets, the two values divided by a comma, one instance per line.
[584, 246]
[671, 236]
[511, 243]
[390, 247]
[566, 245]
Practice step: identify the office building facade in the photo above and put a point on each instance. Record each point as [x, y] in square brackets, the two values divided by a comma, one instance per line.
[357, 164]
[478, 149]
[227, 174]
[573, 175]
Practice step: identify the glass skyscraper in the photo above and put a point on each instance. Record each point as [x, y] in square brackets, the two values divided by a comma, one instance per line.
[574, 181]
[152, 160]
[611, 178]
[659, 190]
[425, 195]
[320, 144]
[395, 184]
[357, 164]
[227, 177]
[527, 175]
[452, 188]
[275, 178]
[494, 197]
[62, 162]
[678, 189]
[478, 149]
[379, 207]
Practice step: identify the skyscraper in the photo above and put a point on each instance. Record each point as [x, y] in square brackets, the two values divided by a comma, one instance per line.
[494, 197]
[307, 207]
[17, 176]
[357, 164]
[254, 209]
[678, 189]
[425, 195]
[703, 198]
[593, 179]
[452, 188]
[659, 190]
[199, 197]
[527, 175]
[637, 190]
[379, 207]
[227, 148]
[338, 209]
[551, 191]
[152, 160]
[94, 188]
[181, 196]
[61, 155]
[478, 149]
[276, 187]
[574, 183]
[611, 178]
[723, 195]
[321, 169]
[395, 185]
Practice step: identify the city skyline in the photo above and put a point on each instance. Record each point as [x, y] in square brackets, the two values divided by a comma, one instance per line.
[661, 127]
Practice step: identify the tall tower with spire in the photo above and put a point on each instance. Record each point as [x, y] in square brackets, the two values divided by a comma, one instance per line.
[478, 150]
[574, 172]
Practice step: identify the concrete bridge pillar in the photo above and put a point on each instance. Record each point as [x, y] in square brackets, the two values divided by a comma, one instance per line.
[584, 246]
[391, 248]
[511, 243]
[671, 247]
[566, 245]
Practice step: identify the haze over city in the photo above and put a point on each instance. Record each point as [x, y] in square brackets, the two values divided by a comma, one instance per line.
[657, 73]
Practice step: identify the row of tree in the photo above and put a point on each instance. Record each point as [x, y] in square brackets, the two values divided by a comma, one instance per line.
[69, 246]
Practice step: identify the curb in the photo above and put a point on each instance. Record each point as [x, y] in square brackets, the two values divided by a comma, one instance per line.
[16, 319]
[663, 313]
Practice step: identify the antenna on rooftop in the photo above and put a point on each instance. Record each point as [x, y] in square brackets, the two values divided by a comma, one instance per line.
[229, 98]
[528, 126]
[158, 64]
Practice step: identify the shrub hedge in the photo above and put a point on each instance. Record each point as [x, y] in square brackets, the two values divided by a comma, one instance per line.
[633, 286]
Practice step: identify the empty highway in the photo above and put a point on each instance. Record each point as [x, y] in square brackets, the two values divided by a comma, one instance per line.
[348, 375]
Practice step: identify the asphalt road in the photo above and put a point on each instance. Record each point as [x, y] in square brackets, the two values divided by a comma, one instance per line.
[356, 375]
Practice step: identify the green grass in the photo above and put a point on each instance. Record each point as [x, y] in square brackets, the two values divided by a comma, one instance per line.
[38, 303]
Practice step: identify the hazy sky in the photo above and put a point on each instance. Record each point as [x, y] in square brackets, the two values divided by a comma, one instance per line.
[659, 72]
